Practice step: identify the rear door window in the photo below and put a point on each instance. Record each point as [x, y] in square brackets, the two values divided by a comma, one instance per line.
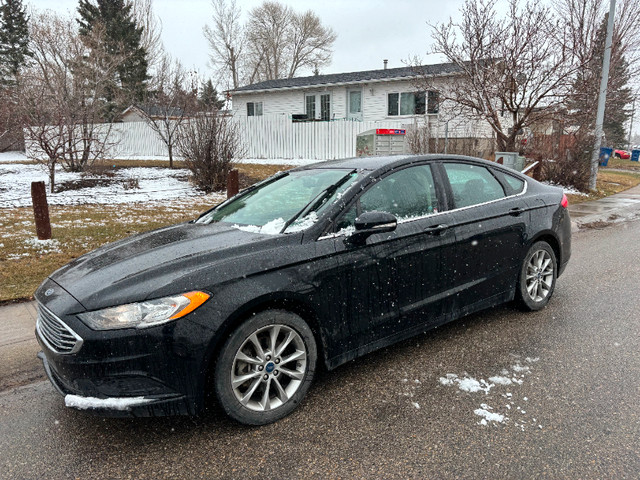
[472, 184]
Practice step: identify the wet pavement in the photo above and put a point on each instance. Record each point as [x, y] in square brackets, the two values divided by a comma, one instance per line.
[437, 406]
[619, 207]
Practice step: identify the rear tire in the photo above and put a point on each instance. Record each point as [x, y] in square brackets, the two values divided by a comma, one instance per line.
[537, 279]
[265, 367]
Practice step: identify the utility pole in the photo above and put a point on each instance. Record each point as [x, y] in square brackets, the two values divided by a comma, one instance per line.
[633, 110]
[602, 97]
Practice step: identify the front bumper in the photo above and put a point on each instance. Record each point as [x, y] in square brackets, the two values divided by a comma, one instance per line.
[155, 371]
[140, 406]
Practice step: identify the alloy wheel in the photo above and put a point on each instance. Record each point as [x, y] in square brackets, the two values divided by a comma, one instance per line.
[269, 367]
[539, 275]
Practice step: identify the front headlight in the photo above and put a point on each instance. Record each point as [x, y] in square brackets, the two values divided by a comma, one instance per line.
[144, 314]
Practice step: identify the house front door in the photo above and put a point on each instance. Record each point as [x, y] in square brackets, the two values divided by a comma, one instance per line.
[354, 104]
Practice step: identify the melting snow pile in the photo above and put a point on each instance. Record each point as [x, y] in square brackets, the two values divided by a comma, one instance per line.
[487, 415]
[466, 384]
[507, 378]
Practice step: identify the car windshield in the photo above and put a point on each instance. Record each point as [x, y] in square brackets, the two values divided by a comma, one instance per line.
[291, 202]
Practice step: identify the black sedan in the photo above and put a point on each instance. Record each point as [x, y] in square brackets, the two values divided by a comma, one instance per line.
[312, 267]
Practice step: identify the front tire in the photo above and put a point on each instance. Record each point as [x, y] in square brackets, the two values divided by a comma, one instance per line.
[538, 275]
[265, 367]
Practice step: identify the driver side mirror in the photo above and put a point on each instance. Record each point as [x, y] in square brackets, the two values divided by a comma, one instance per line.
[370, 223]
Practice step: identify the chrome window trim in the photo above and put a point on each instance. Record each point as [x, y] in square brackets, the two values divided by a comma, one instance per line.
[431, 215]
[53, 316]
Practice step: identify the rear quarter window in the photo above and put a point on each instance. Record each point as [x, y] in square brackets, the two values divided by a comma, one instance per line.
[515, 184]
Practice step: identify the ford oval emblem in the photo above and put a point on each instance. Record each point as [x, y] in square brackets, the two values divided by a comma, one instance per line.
[49, 292]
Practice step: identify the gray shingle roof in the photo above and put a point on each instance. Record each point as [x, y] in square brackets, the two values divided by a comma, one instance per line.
[351, 77]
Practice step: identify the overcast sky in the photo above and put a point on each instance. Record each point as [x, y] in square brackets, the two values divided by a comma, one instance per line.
[368, 30]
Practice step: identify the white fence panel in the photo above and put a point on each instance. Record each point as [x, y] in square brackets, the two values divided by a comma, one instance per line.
[276, 136]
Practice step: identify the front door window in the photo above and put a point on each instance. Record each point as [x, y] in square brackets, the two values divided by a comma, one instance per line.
[355, 105]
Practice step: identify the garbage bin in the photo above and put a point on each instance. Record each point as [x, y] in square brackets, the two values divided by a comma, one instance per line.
[605, 153]
[635, 155]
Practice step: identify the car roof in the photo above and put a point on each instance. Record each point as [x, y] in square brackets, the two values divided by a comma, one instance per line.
[388, 162]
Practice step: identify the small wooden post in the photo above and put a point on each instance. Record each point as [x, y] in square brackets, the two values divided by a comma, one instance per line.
[41, 210]
[233, 185]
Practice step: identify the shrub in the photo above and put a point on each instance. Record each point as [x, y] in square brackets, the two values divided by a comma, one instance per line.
[565, 159]
[209, 142]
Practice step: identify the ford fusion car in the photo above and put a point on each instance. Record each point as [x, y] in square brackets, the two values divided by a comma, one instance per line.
[310, 268]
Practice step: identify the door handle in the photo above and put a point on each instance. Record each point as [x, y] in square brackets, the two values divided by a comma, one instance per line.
[516, 211]
[436, 229]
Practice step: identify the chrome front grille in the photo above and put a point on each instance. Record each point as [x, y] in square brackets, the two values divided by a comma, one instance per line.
[56, 334]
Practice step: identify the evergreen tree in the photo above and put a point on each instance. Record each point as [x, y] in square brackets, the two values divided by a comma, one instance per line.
[584, 101]
[121, 37]
[209, 96]
[14, 38]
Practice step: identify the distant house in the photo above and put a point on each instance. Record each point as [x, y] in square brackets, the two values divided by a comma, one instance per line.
[373, 95]
[138, 113]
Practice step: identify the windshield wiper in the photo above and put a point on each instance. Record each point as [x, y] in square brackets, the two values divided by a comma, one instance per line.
[316, 202]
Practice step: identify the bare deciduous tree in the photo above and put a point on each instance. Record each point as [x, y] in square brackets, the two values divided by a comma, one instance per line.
[151, 39]
[61, 95]
[513, 71]
[10, 122]
[311, 43]
[226, 39]
[167, 109]
[275, 43]
[209, 142]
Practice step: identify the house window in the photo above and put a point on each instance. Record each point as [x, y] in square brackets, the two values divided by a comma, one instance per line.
[412, 103]
[310, 108]
[311, 103]
[325, 107]
[254, 109]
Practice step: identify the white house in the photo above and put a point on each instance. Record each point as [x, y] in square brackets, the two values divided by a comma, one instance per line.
[373, 95]
[274, 115]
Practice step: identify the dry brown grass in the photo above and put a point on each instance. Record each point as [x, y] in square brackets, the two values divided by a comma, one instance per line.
[25, 262]
[608, 183]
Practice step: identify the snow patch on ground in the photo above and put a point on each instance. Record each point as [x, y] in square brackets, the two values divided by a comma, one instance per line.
[495, 388]
[488, 416]
[129, 185]
[466, 384]
[567, 189]
[13, 157]
[86, 403]
[43, 246]
[500, 380]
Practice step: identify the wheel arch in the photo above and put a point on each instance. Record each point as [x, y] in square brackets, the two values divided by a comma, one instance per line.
[288, 302]
[550, 238]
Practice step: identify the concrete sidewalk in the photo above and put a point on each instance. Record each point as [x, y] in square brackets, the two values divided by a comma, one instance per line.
[615, 208]
[17, 321]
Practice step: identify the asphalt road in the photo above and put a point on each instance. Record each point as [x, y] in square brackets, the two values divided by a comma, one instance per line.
[572, 410]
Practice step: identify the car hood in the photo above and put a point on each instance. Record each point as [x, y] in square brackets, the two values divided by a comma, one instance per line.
[161, 262]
